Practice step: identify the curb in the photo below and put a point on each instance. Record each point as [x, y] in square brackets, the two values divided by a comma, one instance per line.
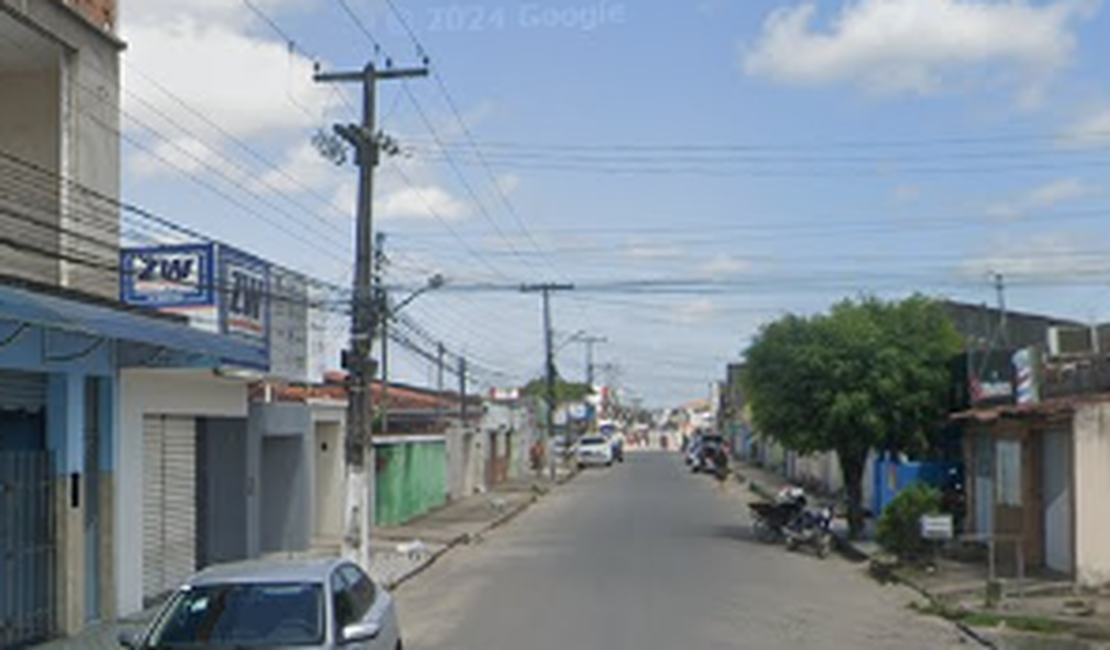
[462, 538]
[966, 629]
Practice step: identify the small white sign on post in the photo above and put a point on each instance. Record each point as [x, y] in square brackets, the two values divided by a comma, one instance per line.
[936, 527]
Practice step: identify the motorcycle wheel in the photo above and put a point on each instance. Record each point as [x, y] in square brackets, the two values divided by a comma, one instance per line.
[791, 543]
[762, 531]
[824, 546]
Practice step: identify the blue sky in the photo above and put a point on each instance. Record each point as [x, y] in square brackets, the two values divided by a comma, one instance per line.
[694, 168]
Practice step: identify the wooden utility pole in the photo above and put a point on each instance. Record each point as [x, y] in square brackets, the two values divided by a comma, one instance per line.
[358, 443]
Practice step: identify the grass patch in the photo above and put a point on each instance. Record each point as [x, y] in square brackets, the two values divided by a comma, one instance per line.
[1021, 623]
[1035, 624]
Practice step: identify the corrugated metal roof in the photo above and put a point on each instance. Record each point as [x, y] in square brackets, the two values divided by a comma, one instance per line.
[1045, 409]
[95, 320]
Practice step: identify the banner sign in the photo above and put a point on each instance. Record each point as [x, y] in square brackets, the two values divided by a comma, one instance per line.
[165, 277]
[244, 299]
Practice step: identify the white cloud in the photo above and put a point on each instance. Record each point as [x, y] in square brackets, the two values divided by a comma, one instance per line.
[421, 202]
[1092, 131]
[303, 169]
[919, 46]
[1041, 198]
[184, 154]
[696, 311]
[724, 265]
[1052, 257]
[246, 85]
[652, 252]
[907, 193]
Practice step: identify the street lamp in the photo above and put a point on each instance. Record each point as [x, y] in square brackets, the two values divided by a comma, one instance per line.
[388, 312]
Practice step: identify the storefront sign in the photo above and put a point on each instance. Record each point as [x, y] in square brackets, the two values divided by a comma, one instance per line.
[244, 299]
[168, 276]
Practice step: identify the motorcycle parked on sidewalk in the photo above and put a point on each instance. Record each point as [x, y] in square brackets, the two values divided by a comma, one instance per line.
[812, 528]
[771, 519]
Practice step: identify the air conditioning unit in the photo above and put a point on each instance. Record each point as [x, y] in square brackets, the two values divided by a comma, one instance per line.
[1071, 341]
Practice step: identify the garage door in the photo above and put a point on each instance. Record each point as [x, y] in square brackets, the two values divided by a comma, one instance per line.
[169, 502]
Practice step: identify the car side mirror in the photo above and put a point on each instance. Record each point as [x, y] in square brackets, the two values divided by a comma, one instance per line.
[131, 640]
[363, 631]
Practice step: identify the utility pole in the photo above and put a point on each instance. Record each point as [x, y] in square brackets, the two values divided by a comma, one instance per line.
[358, 440]
[384, 316]
[462, 389]
[589, 342]
[549, 353]
[1000, 289]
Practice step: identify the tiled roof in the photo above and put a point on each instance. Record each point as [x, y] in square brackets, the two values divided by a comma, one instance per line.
[401, 398]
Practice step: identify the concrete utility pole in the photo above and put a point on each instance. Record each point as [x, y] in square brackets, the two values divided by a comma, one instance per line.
[549, 352]
[589, 342]
[1000, 288]
[385, 316]
[359, 503]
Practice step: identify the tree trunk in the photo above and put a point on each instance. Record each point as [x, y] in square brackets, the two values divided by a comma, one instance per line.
[851, 467]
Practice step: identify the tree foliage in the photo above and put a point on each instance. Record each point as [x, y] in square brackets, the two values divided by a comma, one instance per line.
[566, 392]
[898, 530]
[868, 375]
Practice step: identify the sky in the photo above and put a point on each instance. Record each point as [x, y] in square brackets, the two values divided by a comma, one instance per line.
[694, 169]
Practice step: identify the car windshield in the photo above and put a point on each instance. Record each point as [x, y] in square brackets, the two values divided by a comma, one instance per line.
[243, 615]
[593, 441]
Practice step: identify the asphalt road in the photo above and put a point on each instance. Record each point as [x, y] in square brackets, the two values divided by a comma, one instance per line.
[646, 556]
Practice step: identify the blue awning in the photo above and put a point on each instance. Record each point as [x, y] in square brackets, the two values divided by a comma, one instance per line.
[127, 326]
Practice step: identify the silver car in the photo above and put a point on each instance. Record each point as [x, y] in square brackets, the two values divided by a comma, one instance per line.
[320, 603]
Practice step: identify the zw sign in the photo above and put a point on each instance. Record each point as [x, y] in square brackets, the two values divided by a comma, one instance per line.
[167, 276]
[244, 306]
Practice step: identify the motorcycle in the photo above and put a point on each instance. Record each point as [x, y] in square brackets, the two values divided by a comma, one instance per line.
[770, 520]
[811, 528]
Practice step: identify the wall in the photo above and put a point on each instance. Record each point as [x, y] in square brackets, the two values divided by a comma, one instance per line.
[1092, 485]
[222, 454]
[330, 472]
[72, 128]
[170, 392]
[30, 130]
[282, 434]
[411, 478]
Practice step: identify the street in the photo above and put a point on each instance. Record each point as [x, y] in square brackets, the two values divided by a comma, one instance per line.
[646, 555]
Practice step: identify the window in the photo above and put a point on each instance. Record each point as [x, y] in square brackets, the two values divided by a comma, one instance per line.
[239, 614]
[361, 589]
[352, 595]
[1007, 455]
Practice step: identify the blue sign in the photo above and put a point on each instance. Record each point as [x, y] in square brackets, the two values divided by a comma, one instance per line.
[245, 297]
[168, 276]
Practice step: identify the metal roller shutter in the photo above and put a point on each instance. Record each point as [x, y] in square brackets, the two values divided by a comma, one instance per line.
[169, 502]
[22, 391]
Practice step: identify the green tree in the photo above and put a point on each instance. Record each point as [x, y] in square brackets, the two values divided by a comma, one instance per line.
[868, 375]
[566, 392]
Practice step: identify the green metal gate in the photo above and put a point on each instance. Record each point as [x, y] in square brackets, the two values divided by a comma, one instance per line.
[411, 479]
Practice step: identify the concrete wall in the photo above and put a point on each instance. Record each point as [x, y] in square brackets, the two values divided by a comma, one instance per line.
[30, 129]
[1092, 487]
[330, 471]
[170, 392]
[466, 462]
[283, 436]
[68, 122]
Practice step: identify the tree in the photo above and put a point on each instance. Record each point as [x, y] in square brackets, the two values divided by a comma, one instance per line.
[566, 392]
[868, 375]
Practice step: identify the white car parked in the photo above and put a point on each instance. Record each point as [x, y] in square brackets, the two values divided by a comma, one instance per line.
[594, 450]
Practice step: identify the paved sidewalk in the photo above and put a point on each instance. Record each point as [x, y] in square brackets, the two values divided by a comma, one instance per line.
[955, 587]
[398, 553]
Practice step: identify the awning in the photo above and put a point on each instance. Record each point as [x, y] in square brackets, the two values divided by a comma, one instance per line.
[126, 326]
